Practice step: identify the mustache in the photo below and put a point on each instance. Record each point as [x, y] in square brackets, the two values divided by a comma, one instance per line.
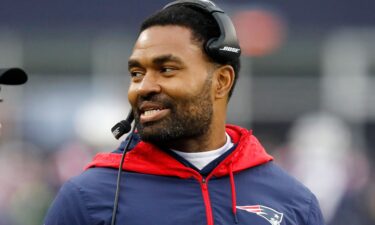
[159, 99]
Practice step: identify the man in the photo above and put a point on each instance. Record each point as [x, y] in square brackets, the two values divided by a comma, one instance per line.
[185, 165]
[12, 76]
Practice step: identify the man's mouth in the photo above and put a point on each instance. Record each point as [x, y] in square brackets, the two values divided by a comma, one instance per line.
[152, 112]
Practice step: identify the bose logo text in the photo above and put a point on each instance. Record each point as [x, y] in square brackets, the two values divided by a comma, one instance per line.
[230, 49]
[116, 132]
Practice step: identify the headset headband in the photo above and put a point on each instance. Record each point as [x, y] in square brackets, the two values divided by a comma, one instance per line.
[224, 48]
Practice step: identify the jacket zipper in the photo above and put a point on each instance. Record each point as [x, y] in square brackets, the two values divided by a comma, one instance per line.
[207, 203]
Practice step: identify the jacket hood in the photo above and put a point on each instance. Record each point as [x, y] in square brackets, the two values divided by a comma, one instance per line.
[148, 159]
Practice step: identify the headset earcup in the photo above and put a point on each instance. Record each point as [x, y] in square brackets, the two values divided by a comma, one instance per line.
[222, 49]
[221, 52]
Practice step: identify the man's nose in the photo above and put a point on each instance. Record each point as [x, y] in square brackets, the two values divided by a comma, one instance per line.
[149, 85]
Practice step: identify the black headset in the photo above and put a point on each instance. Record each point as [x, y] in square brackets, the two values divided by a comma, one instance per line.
[224, 48]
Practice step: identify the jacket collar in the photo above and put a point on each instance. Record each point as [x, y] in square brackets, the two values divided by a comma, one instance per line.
[149, 159]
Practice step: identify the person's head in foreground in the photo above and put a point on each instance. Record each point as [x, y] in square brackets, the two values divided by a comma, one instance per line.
[12, 76]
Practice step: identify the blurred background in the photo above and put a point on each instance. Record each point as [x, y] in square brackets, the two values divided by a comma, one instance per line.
[306, 89]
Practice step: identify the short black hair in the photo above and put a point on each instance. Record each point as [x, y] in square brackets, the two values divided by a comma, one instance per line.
[203, 27]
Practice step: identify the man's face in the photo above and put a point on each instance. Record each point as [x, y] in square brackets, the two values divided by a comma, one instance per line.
[170, 89]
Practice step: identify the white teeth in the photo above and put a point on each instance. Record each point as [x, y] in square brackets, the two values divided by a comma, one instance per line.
[150, 112]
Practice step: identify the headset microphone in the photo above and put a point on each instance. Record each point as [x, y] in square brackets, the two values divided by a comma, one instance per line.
[118, 130]
[123, 126]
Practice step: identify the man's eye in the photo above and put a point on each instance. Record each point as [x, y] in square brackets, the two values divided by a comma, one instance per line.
[136, 74]
[167, 69]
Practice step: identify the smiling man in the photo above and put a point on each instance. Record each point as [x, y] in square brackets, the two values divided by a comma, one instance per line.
[172, 91]
[185, 165]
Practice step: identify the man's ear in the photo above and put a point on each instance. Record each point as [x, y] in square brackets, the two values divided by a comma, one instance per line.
[223, 81]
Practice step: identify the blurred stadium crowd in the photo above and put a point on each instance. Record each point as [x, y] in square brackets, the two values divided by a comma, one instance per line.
[306, 90]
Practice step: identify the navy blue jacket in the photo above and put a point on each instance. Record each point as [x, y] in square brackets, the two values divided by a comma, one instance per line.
[242, 187]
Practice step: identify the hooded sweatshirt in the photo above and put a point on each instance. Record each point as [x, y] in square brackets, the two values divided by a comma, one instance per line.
[158, 187]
